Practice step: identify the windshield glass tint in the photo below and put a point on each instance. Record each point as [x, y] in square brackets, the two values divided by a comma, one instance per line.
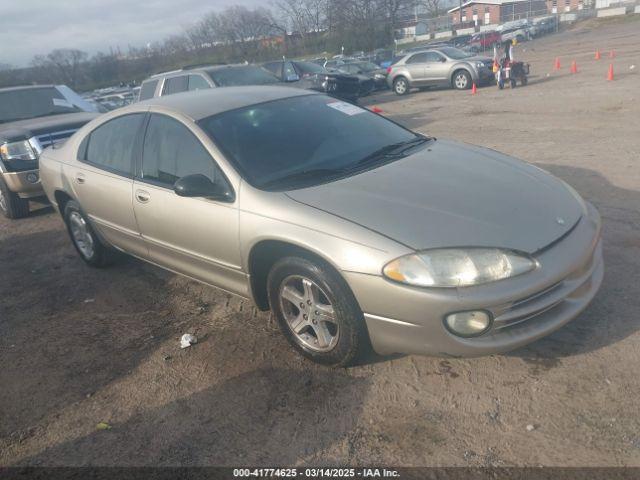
[455, 53]
[310, 68]
[283, 139]
[33, 102]
[229, 77]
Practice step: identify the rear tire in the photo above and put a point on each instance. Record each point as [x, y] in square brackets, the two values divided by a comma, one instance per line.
[11, 205]
[84, 239]
[401, 86]
[316, 311]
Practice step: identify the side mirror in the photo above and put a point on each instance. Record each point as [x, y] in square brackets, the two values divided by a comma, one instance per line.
[442, 59]
[199, 185]
[292, 78]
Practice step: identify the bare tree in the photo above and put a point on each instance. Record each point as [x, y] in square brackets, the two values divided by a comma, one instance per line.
[63, 64]
[432, 7]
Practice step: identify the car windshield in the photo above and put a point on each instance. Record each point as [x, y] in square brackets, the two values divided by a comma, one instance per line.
[310, 68]
[306, 140]
[455, 53]
[22, 104]
[235, 76]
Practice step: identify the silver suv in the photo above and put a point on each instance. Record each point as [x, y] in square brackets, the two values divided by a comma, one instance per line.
[444, 66]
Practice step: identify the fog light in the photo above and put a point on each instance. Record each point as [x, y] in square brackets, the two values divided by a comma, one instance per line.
[468, 324]
[32, 177]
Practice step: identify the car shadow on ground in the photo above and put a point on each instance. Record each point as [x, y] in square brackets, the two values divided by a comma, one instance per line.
[256, 418]
[613, 314]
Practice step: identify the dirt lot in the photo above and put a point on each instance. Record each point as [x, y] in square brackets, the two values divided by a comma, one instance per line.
[80, 346]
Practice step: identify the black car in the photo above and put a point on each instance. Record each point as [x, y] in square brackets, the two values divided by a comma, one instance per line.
[31, 119]
[315, 77]
[368, 70]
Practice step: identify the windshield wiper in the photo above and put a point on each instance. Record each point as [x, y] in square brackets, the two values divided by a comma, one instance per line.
[303, 175]
[394, 150]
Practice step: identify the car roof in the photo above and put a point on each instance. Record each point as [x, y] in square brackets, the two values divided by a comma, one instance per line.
[197, 69]
[204, 103]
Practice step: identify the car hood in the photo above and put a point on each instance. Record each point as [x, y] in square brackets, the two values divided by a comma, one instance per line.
[25, 129]
[452, 194]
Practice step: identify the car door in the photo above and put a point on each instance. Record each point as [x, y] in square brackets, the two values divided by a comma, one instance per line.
[437, 68]
[197, 237]
[415, 65]
[102, 180]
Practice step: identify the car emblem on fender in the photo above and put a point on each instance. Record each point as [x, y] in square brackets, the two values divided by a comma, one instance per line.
[560, 221]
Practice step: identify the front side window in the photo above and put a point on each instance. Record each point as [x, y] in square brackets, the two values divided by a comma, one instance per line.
[433, 57]
[111, 145]
[274, 67]
[171, 152]
[175, 85]
[305, 140]
[196, 82]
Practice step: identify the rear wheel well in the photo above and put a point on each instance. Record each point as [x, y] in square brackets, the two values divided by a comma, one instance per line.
[263, 256]
[61, 199]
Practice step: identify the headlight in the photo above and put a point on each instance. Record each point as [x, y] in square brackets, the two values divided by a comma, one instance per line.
[458, 267]
[479, 65]
[18, 151]
[378, 76]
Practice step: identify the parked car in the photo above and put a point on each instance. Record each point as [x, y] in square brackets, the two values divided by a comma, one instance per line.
[31, 119]
[446, 66]
[543, 26]
[312, 76]
[484, 41]
[459, 41]
[520, 34]
[349, 227]
[369, 70]
[204, 77]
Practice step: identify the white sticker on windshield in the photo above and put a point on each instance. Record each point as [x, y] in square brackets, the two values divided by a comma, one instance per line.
[346, 108]
[61, 102]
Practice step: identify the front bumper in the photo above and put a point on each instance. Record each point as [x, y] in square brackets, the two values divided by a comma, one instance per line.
[404, 319]
[23, 183]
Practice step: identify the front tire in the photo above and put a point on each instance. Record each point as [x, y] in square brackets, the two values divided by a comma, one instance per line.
[461, 80]
[401, 86]
[316, 311]
[11, 205]
[84, 239]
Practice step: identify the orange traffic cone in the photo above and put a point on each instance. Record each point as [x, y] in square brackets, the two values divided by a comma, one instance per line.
[556, 65]
[610, 74]
[612, 54]
[474, 89]
[376, 109]
[574, 67]
[597, 57]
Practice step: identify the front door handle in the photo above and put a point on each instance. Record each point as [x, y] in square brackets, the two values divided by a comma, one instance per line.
[142, 196]
[80, 178]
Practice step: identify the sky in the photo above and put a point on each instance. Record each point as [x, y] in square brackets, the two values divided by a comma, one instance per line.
[32, 27]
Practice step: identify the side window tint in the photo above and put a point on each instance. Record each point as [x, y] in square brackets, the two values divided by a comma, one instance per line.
[433, 57]
[171, 151]
[175, 85]
[148, 90]
[111, 144]
[418, 58]
[196, 82]
[289, 71]
[82, 149]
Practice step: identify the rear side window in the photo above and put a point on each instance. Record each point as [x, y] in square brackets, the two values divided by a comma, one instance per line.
[175, 85]
[171, 151]
[417, 58]
[111, 145]
[196, 82]
[433, 57]
[148, 89]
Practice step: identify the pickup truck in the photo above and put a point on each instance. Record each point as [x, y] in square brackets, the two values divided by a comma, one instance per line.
[31, 119]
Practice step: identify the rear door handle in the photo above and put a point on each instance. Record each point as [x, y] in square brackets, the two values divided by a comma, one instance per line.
[80, 178]
[142, 196]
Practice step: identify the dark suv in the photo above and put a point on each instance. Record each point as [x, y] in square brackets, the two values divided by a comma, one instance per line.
[31, 119]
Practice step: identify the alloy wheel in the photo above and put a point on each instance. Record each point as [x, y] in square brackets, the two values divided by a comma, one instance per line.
[461, 81]
[309, 313]
[81, 234]
[401, 87]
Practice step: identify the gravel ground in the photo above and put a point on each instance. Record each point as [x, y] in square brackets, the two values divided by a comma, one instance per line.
[80, 346]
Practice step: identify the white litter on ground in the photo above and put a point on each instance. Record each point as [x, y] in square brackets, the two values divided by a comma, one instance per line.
[187, 340]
